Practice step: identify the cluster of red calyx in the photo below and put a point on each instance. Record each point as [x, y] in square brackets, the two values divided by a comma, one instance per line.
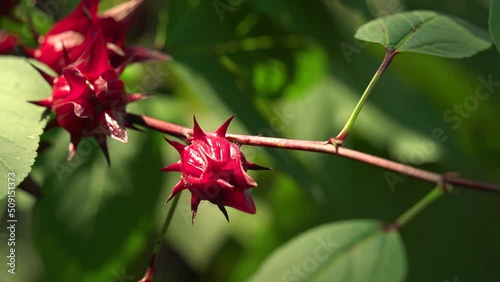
[69, 36]
[214, 169]
[88, 52]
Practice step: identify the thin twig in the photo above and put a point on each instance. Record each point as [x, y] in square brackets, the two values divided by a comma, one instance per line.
[149, 276]
[317, 146]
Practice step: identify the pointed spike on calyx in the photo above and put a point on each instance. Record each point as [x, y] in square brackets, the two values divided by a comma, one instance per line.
[221, 132]
[122, 13]
[172, 167]
[253, 166]
[178, 146]
[47, 103]
[195, 201]
[119, 69]
[72, 147]
[177, 188]
[88, 15]
[45, 114]
[224, 212]
[142, 54]
[130, 59]
[137, 97]
[104, 147]
[89, 7]
[67, 59]
[49, 78]
[197, 131]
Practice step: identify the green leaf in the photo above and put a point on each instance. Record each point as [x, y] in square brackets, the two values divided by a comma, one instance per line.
[93, 220]
[426, 32]
[355, 250]
[21, 124]
[494, 22]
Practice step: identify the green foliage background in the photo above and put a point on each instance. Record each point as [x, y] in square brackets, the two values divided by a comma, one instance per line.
[286, 68]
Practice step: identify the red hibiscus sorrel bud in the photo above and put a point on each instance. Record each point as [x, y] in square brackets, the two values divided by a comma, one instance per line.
[89, 98]
[214, 169]
[65, 40]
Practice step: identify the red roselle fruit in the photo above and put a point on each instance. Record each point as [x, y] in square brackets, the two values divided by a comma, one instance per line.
[89, 98]
[69, 36]
[214, 169]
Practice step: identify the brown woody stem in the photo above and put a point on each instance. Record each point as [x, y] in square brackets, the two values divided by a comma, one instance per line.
[320, 147]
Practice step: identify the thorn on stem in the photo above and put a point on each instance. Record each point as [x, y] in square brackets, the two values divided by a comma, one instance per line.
[444, 182]
[336, 143]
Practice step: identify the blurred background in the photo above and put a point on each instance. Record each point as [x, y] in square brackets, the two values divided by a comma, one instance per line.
[290, 69]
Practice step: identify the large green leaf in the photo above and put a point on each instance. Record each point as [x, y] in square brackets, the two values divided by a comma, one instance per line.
[494, 22]
[21, 124]
[356, 250]
[426, 32]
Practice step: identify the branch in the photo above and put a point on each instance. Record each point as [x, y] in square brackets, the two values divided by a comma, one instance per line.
[317, 146]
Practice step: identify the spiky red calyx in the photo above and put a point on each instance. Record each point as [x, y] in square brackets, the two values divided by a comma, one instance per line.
[89, 99]
[65, 41]
[214, 169]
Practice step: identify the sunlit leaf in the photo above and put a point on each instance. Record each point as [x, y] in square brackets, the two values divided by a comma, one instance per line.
[21, 121]
[426, 32]
[357, 251]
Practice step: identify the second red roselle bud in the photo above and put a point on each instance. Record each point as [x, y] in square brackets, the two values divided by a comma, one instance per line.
[65, 41]
[214, 169]
[89, 98]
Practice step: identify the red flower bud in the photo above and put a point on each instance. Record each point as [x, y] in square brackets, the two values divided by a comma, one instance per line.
[64, 43]
[214, 169]
[89, 98]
